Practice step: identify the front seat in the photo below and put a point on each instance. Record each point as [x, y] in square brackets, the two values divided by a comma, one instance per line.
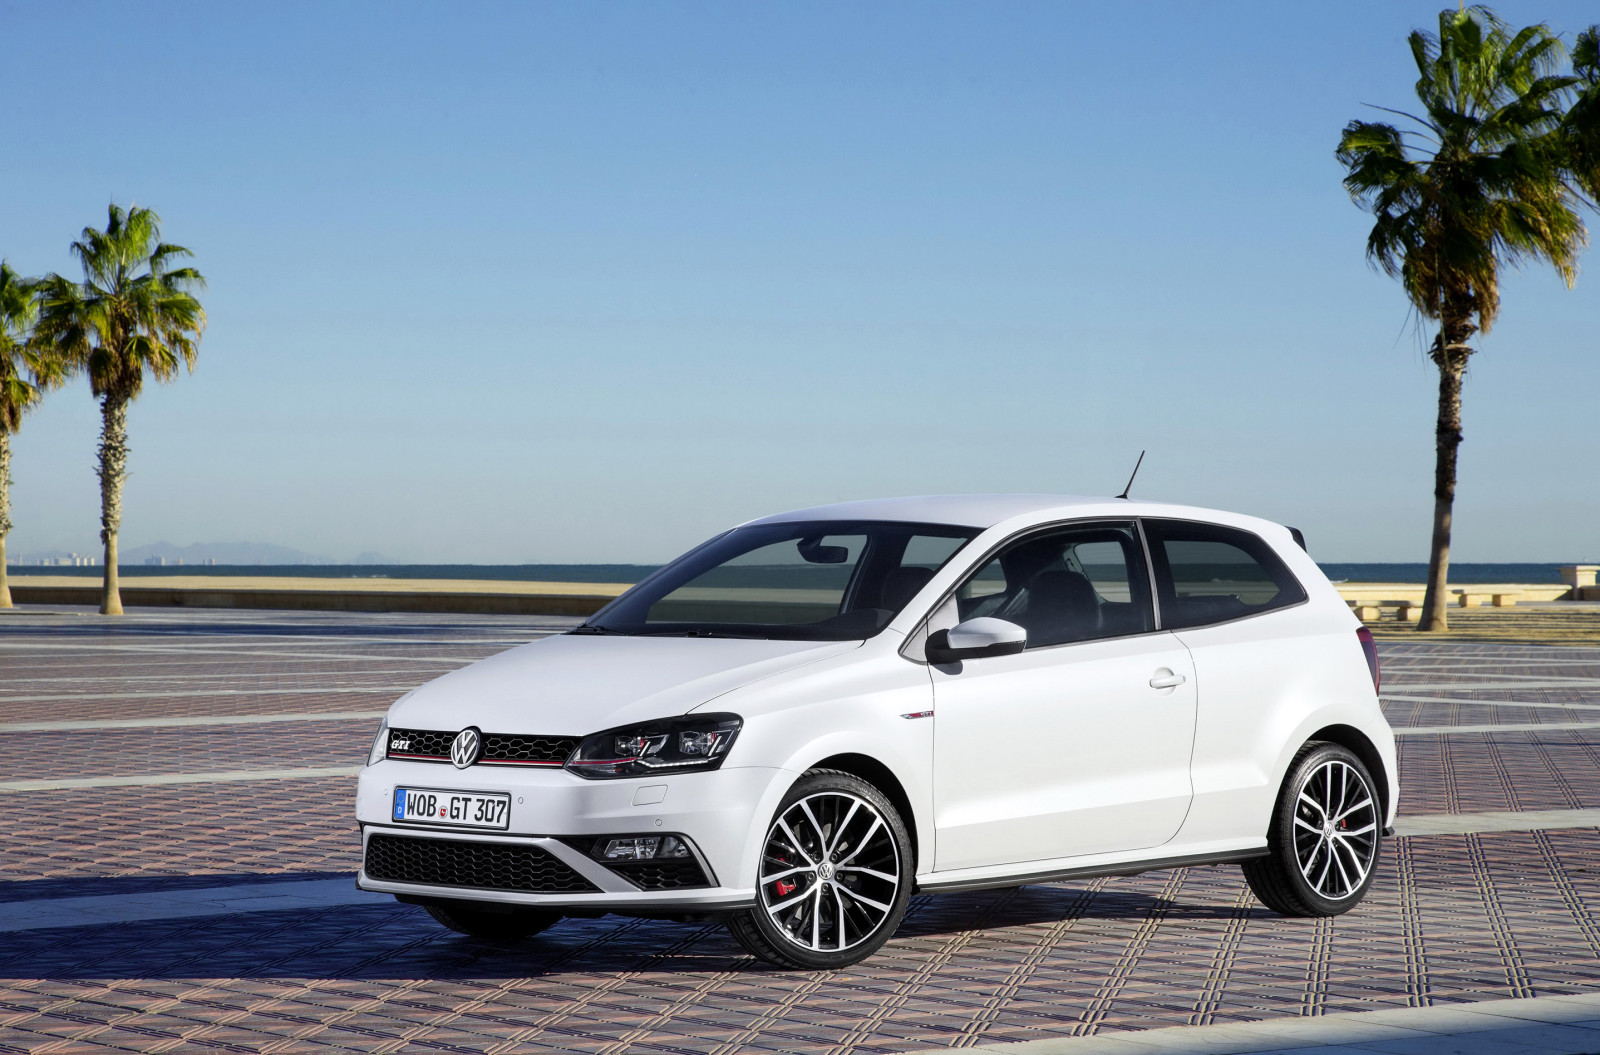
[1061, 605]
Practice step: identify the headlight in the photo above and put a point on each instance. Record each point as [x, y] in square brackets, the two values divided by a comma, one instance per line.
[380, 745]
[691, 743]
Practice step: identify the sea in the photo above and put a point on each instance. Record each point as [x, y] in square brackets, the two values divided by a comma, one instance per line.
[1461, 573]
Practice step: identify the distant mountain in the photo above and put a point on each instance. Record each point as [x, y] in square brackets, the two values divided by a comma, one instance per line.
[370, 557]
[220, 553]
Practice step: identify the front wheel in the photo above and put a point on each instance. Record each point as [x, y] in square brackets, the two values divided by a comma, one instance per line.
[1325, 835]
[490, 921]
[834, 878]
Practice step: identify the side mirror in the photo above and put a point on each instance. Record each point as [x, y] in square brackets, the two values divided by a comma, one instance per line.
[975, 639]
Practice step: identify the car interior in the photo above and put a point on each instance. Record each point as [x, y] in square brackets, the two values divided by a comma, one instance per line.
[1046, 586]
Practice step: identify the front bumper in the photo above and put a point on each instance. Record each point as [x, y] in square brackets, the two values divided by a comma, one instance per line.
[614, 892]
[720, 813]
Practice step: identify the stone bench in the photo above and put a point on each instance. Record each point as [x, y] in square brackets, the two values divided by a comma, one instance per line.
[1473, 599]
[1411, 611]
[1372, 611]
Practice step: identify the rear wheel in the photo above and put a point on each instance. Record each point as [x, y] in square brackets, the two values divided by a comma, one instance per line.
[1325, 835]
[834, 878]
[491, 921]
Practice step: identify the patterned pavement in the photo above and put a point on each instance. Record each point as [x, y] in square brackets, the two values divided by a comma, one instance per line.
[1461, 917]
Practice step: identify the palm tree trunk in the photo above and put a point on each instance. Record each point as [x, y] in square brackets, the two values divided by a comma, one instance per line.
[113, 470]
[5, 513]
[1450, 352]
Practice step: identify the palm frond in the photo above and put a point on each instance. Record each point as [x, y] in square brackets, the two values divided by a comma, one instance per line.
[133, 313]
[1580, 132]
[1495, 185]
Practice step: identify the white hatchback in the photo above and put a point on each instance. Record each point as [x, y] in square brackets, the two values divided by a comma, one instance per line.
[806, 719]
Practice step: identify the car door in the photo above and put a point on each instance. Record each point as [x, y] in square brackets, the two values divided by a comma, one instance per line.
[1259, 651]
[1079, 744]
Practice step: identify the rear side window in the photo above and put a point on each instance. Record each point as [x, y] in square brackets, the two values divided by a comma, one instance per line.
[1206, 573]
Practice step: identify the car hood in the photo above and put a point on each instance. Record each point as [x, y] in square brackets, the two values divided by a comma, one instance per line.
[573, 685]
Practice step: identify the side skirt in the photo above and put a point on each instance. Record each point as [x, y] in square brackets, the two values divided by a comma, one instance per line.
[1122, 868]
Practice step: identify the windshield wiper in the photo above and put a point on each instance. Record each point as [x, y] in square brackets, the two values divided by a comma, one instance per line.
[587, 629]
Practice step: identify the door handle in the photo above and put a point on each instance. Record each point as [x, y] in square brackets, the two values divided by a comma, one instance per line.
[1165, 679]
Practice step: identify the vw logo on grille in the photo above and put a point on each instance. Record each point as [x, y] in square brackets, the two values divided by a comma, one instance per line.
[466, 747]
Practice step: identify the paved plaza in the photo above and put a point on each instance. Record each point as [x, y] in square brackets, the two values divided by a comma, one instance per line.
[178, 845]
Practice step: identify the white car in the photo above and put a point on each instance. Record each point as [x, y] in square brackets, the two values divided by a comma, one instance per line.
[806, 719]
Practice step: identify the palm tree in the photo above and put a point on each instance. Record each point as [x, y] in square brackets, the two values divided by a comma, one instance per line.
[24, 373]
[1583, 119]
[132, 314]
[1484, 178]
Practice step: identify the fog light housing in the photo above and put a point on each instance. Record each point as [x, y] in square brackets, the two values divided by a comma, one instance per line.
[643, 848]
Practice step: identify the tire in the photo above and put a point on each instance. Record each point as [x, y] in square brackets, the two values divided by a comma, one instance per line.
[1325, 836]
[490, 921]
[834, 876]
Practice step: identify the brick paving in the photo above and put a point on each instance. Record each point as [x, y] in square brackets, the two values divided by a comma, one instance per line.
[196, 749]
[175, 830]
[115, 707]
[1450, 918]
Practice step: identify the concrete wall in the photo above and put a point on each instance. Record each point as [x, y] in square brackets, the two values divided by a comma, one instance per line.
[223, 595]
[493, 597]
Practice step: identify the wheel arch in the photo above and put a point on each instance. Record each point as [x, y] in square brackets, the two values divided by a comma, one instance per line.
[883, 778]
[1357, 742]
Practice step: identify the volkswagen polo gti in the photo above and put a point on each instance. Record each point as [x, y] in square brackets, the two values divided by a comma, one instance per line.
[804, 720]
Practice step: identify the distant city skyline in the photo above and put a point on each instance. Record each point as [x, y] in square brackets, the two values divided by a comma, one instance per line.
[163, 552]
[517, 283]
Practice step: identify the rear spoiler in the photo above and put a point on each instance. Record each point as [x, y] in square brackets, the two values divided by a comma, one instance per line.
[1299, 537]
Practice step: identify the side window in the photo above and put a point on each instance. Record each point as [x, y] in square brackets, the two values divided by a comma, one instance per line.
[1210, 574]
[1075, 584]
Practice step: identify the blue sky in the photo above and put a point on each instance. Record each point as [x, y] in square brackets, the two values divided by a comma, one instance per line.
[589, 282]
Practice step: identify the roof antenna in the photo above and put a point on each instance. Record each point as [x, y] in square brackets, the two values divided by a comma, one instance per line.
[1136, 465]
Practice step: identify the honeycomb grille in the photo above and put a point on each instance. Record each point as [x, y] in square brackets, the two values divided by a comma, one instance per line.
[481, 866]
[420, 744]
[662, 875]
[499, 749]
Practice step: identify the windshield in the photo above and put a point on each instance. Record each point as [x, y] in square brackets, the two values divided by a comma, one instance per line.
[814, 580]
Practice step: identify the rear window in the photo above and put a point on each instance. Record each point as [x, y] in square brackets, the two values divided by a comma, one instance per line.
[1206, 573]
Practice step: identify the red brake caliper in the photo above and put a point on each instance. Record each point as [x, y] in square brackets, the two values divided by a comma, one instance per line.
[784, 889]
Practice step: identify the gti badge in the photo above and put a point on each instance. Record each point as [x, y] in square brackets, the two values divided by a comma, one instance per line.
[466, 747]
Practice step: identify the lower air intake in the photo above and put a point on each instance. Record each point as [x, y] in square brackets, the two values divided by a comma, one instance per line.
[661, 875]
[478, 865]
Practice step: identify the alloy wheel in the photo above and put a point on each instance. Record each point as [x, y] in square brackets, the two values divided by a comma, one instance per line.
[830, 872]
[1335, 830]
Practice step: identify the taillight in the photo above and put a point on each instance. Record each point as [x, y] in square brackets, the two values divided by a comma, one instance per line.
[1369, 648]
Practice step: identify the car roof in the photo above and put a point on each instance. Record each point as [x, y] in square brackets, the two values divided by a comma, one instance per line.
[985, 511]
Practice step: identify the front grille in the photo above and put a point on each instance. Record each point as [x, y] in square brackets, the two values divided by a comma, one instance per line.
[481, 866]
[499, 749]
[675, 874]
[419, 744]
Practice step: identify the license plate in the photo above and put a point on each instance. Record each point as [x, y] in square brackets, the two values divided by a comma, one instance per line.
[455, 809]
